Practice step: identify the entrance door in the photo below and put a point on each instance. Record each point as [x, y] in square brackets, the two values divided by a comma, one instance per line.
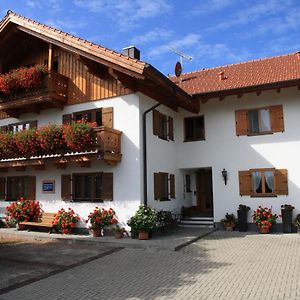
[204, 192]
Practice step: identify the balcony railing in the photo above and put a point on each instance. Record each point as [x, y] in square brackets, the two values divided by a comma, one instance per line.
[53, 92]
[106, 147]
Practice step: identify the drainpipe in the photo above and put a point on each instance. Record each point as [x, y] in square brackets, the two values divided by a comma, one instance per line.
[145, 151]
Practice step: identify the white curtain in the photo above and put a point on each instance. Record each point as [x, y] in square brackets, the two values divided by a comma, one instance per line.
[270, 180]
[265, 124]
[256, 180]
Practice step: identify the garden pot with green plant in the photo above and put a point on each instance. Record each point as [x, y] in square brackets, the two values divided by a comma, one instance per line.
[264, 219]
[242, 217]
[143, 221]
[287, 217]
[229, 222]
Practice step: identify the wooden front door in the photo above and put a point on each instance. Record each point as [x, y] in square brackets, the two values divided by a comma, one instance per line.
[204, 192]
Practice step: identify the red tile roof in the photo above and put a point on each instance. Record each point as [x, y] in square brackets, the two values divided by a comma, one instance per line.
[246, 74]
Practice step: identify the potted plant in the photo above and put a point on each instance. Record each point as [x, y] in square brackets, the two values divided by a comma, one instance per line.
[296, 223]
[101, 218]
[264, 219]
[65, 220]
[229, 222]
[26, 142]
[119, 232]
[164, 220]
[287, 217]
[143, 221]
[23, 210]
[242, 213]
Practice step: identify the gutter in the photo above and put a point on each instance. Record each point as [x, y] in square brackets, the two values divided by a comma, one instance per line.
[145, 177]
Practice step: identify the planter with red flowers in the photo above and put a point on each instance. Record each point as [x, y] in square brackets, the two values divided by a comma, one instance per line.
[264, 219]
[101, 218]
[8, 146]
[65, 220]
[27, 143]
[23, 210]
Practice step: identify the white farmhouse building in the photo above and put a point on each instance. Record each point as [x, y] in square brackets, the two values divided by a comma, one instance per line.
[161, 141]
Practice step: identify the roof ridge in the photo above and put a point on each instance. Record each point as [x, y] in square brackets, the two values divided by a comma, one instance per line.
[239, 63]
[10, 12]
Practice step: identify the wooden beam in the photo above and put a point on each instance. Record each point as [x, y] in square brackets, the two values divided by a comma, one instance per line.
[221, 98]
[61, 165]
[2, 170]
[19, 168]
[50, 57]
[258, 93]
[85, 164]
[278, 91]
[39, 167]
[239, 96]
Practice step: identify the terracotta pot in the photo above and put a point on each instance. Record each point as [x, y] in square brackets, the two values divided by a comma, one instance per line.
[264, 230]
[96, 232]
[21, 227]
[118, 235]
[143, 235]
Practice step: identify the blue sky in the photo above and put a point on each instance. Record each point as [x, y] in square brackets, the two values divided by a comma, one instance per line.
[213, 32]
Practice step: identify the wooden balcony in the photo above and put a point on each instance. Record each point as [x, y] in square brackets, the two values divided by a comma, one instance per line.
[52, 93]
[107, 147]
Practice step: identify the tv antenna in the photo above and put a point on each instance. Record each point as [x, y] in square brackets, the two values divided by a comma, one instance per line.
[179, 64]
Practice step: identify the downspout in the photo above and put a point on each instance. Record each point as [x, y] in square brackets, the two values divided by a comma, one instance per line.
[145, 151]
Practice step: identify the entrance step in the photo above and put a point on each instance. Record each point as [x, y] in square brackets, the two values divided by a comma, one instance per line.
[197, 222]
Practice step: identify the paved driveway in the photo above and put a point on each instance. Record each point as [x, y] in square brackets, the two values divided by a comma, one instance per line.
[220, 266]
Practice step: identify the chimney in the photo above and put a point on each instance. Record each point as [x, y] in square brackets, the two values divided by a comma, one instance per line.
[221, 76]
[132, 52]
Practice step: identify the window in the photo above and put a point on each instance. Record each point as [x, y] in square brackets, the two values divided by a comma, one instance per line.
[87, 187]
[266, 120]
[21, 186]
[263, 182]
[188, 183]
[194, 129]
[17, 127]
[102, 116]
[164, 186]
[163, 126]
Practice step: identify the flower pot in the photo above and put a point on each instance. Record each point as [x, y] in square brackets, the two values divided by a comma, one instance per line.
[143, 235]
[287, 219]
[96, 232]
[21, 227]
[264, 230]
[229, 228]
[118, 235]
[242, 220]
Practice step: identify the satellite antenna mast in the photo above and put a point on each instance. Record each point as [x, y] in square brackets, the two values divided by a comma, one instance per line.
[179, 65]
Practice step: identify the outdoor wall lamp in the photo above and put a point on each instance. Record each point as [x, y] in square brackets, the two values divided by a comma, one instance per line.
[225, 176]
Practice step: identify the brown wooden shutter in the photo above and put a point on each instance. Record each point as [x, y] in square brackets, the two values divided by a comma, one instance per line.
[281, 182]
[4, 129]
[172, 186]
[171, 128]
[107, 186]
[245, 183]
[241, 122]
[2, 188]
[276, 118]
[33, 124]
[31, 187]
[66, 188]
[107, 117]
[156, 122]
[67, 119]
[157, 186]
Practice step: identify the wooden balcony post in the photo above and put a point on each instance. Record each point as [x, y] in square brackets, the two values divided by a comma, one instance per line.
[50, 58]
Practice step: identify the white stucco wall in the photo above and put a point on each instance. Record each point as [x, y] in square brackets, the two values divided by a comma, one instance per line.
[127, 173]
[223, 149]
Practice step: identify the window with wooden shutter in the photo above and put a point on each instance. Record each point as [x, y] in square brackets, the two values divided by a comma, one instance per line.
[107, 186]
[2, 188]
[245, 183]
[31, 187]
[161, 186]
[107, 117]
[66, 187]
[276, 118]
[281, 182]
[171, 128]
[67, 119]
[172, 186]
[241, 122]
[156, 122]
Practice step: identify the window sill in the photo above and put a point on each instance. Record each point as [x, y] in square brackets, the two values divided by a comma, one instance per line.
[263, 195]
[196, 140]
[260, 133]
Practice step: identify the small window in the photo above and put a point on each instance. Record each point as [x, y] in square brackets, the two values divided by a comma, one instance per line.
[263, 182]
[164, 186]
[163, 126]
[259, 121]
[17, 127]
[21, 186]
[188, 183]
[194, 129]
[89, 116]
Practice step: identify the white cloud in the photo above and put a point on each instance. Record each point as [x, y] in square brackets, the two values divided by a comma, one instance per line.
[211, 6]
[157, 34]
[126, 13]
